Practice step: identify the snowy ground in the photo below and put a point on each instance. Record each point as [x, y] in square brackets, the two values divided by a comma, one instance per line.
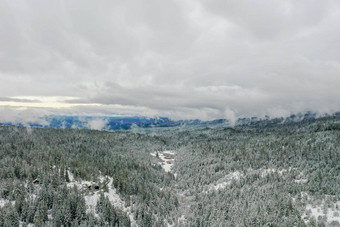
[281, 172]
[300, 177]
[263, 172]
[3, 202]
[166, 159]
[224, 181]
[326, 210]
[92, 198]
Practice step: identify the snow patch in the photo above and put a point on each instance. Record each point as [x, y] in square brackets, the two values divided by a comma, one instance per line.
[3, 202]
[181, 220]
[265, 172]
[225, 181]
[92, 198]
[326, 209]
[301, 179]
[166, 159]
[70, 175]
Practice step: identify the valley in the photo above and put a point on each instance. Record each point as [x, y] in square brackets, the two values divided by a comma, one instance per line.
[266, 173]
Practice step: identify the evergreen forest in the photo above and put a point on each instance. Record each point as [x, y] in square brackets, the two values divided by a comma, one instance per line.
[264, 173]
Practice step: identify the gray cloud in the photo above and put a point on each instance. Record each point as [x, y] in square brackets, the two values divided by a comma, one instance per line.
[180, 59]
[8, 99]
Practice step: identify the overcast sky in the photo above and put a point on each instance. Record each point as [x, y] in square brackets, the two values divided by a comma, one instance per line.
[181, 59]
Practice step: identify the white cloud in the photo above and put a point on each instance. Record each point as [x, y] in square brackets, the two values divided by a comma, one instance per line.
[97, 124]
[23, 115]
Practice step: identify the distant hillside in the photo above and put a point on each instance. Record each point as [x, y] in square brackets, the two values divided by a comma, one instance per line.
[131, 122]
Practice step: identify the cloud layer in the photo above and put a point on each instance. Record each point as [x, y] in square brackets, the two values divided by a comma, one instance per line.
[180, 59]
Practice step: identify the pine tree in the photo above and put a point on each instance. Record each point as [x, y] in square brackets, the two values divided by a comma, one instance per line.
[67, 177]
[31, 211]
[81, 209]
[11, 217]
[41, 214]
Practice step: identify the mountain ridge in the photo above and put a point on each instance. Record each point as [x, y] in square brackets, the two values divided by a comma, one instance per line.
[112, 123]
